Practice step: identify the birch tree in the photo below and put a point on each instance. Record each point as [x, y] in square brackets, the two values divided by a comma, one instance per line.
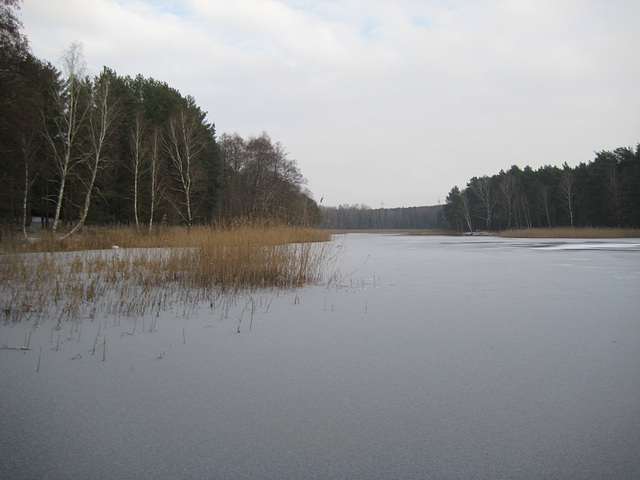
[544, 198]
[73, 110]
[465, 209]
[567, 192]
[185, 143]
[138, 153]
[458, 208]
[156, 187]
[483, 189]
[101, 117]
[507, 189]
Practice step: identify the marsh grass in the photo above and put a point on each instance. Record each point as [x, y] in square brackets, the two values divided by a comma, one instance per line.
[78, 278]
[101, 238]
[568, 232]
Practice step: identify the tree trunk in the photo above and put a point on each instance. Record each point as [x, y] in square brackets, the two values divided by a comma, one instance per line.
[567, 192]
[24, 199]
[73, 117]
[156, 189]
[185, 144]
[99, 127]
[136, 147]
[482, 188]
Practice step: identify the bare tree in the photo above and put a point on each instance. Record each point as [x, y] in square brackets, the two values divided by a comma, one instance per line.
[73, 110]
[567, 192]
[234, 160]
[184, 145]
[521, 204]
[155, 150]
[274, 179]
[101, 117]
[544, 197]
[260, 180]
[482, 188]
[507, 189]
[138, 153]
[465, 209]
[260, 157]
[456, 209]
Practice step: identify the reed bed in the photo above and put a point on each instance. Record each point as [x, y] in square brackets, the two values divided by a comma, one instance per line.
[576, 232]
[100, 238]
[147, 274]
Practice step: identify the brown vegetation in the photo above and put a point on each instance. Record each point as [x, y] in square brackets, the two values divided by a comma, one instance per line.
[78, 277]
[100, 238]
[568, 232]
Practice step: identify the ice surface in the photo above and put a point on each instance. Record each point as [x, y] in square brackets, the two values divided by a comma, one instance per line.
[432, 357]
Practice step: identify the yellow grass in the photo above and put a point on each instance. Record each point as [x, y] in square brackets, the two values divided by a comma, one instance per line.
[568, 232]
[98, 238]
[71, 278]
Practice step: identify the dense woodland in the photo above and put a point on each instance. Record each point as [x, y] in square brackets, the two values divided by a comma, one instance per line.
[604, 192]
[77, 149]
[362, 217]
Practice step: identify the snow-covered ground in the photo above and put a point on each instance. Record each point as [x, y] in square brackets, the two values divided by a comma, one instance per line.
[431, 357]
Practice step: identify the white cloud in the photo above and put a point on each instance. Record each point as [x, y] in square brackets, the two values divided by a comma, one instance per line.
[377, 100]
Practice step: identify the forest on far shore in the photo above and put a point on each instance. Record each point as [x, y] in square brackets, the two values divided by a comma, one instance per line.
[107, 149]
[362, 217]
[604, 192]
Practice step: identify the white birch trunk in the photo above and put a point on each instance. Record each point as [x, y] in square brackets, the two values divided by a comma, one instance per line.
[100, 126]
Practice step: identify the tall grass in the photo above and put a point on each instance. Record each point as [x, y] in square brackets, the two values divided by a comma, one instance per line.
[99, 238]
[576, 232]
[82, 276]
[247, 256]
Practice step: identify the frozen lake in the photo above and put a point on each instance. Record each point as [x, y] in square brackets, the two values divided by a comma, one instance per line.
[432, 357]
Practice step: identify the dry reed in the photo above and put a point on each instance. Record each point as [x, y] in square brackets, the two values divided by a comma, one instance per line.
[101, 238]
[576, 232]
[149, 274]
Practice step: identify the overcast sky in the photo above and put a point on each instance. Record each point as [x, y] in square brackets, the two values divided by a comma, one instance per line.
[380, 101]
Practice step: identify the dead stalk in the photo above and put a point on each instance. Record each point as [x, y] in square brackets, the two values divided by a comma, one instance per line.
[39, 356]
[185, 271]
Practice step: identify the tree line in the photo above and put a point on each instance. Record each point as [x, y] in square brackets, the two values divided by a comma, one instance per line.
[604, 192]
[111, 149]
[362, 217]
